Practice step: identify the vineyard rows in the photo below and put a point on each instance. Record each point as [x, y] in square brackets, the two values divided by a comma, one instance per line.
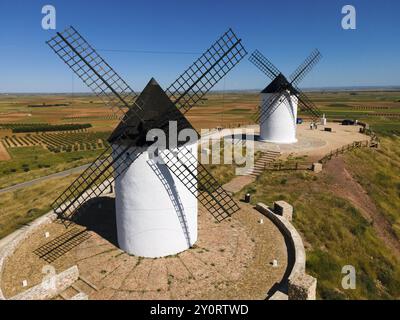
[110, 116]
[44, 127]
[60, 142]
[20, 125]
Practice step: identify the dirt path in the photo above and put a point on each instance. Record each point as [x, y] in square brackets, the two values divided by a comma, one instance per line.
[238, 183]
[346, 186]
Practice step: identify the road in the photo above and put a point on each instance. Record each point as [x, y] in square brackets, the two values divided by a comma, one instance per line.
[41, 179]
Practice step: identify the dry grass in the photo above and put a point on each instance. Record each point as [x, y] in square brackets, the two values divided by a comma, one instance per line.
[378, 171]
[335, 232]
[22, 206]
[4, 155]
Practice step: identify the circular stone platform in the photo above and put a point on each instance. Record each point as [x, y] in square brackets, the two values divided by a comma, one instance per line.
[311, 143]
[231, 260]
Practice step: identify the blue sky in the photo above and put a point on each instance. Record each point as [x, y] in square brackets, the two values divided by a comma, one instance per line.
[285, 32]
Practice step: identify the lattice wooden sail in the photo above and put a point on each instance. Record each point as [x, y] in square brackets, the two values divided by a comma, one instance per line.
[206, 71]
[185, 92]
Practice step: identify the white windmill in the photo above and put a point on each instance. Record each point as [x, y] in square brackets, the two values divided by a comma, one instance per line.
[280, 100]
[156, 204]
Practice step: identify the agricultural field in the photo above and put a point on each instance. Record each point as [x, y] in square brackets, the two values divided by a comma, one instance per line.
[44, 127]
[228, 109]
[381, 109]
[68, 109]
[59, 142]
[16, 212]
[339, 225]
[83, 125]
[29, 163]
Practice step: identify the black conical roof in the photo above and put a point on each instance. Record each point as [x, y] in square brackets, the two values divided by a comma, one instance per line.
[279, 84]
[156, 110]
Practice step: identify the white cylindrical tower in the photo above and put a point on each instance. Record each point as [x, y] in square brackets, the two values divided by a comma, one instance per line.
[280, 125]
[156, 214]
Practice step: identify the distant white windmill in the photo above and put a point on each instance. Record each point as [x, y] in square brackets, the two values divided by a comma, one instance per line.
[280, 99]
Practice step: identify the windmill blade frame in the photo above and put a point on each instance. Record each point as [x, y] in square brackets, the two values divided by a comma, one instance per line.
[307, 105]
[302, 70]
[211, 194]
[264, 65]
[92, 182]
[94, 71]
[191, 86]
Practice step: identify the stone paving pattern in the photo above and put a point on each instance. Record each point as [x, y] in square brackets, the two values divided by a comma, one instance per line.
[231, 260]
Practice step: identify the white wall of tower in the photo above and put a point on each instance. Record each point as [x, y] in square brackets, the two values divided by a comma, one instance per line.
[280, 126]
[156, 214]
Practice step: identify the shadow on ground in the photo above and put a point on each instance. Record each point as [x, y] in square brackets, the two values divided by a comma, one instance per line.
[98, 215]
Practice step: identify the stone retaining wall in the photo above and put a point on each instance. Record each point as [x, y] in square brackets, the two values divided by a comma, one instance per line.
[10, 243]
[51, 288]
[300, 285]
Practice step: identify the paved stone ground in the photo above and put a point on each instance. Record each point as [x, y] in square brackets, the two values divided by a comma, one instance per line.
[231, 260]
[238, 183]
[313, 143]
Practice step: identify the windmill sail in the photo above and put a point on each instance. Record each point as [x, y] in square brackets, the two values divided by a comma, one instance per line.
[94, 71]
[185, 92]
[302, 70]
[93, 181]
[205, 72]
[101, 78]
[262, 63]
[200, 183]
[307, 105]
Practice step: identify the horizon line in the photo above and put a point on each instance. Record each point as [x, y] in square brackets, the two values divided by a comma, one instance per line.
[307, 89]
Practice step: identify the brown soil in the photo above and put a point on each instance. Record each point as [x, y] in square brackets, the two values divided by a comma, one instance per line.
[344, 185]
[3, 153]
